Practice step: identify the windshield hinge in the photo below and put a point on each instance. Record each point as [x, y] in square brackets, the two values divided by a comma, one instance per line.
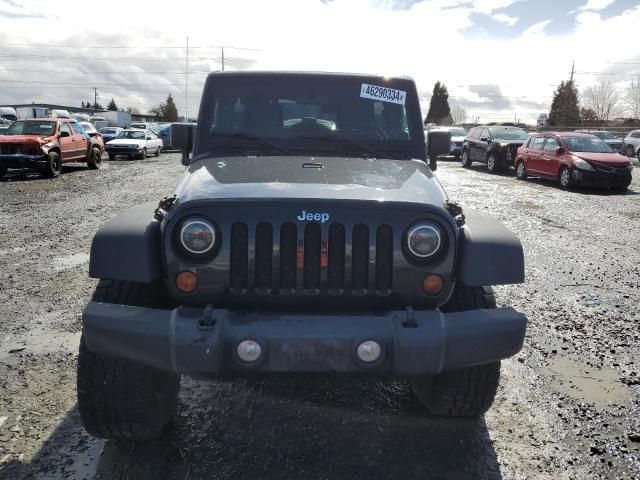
[163, 207]
[455, 210]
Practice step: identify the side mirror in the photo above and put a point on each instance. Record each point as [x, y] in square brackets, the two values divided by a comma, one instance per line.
[181, 136]
[438, 143]
[484, 139]
[559, 151]
[149, 138]
[64, 134]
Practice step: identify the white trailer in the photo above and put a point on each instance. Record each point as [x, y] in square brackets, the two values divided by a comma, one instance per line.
[24, 113]
[8, 114]
[117, 119]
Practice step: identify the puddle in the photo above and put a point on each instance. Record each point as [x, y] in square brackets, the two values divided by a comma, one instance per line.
[590, 301]
[599, 387]
[61, 264]
[40, 340]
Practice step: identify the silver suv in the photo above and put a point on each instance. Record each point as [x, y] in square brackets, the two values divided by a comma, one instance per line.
[632, 143]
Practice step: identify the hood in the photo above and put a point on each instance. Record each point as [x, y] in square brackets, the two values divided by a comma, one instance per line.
[37, 139]
[511, 143]
[611, 159]
[612, 140]
[126, 141]
[297, 177]
[458, 139]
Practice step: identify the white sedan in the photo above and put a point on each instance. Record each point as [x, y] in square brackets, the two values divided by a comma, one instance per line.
[134, 143]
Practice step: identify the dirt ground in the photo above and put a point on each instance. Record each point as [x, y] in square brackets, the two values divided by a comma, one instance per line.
[568, 406]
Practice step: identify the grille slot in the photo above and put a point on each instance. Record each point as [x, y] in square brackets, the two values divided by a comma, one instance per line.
[288, 256]
[360, 258]
[384, 257]
[335, 263]
[238, 267]
[312, 254]
[264, 254]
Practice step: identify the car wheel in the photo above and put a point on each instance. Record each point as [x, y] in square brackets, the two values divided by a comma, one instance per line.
[95, 159]
[521, 171]
[492, 163]
[143, 154]
[158, 152]
[53, 165]
[630, 151]
[464, 392]
[120, 399]
[564, 178]
[465, 160]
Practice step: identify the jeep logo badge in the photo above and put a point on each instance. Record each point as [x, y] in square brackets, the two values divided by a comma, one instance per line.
[321, 217]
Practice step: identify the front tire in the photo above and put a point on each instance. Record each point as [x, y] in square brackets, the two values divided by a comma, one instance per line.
[564, 178]
[158, 151]
[143, 154]
[465, 159]
[493, 163]
[630, 151]
[465, 392]
[53, 165]
[521, 170]
[95, 159]
[120, 399]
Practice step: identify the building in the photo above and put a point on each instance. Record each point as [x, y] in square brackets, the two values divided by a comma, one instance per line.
[136, 117]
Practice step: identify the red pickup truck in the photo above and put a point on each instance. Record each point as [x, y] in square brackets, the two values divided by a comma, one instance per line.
[44, 144]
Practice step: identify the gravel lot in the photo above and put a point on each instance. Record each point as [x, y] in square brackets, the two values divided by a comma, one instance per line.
[568, 406]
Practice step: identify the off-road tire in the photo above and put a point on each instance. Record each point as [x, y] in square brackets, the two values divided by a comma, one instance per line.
[119, 399]
[53, 165]
[464, 159]
[465, 392]
[564, 178]
[143, 154]
[521, 170]
[493, 163]
[95, 159]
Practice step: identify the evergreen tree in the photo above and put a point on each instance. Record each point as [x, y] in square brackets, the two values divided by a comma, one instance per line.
[166, 112]
[112, 106]
[439, 111]
[82, 104]
[564, 107]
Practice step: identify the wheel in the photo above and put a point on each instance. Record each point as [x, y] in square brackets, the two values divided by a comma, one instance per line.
[521, 171]
[143, 154]
[465, 392]
[493, 164]
[465, 160]
[112, 156]
[630, 151]
[95, 159]
[157, 154]
[433, 162]
[3, 171]
[119, 399]
[564, 178]
[53, 166]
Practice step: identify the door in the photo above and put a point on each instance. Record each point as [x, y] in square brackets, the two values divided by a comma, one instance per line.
[67, 142]
[81, 141]
[550, 160]
[533, 154]
[480, 149]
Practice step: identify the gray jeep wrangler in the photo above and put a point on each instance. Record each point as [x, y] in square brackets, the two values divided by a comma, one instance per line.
[308, 234]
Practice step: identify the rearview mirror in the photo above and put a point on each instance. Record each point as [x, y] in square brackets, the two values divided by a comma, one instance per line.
[484, 139]
[181, 136]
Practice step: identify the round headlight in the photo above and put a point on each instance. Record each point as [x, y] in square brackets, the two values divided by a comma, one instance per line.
[424, 240]
[197, 236]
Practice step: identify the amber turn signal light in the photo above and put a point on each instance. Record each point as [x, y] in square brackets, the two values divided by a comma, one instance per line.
[186, 282]
[432, 284]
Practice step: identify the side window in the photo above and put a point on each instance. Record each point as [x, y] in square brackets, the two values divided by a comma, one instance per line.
[485, 133]
[537, 143]
[64, 127]
[472, 134]
[551, 144]
[635, 134]
[75, 128]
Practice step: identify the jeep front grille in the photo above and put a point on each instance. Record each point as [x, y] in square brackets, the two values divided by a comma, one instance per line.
[310, 259]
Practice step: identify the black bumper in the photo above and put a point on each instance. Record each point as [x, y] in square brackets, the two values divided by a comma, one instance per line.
[123, 151]
[19, 160]
[600, 179]
[202, 342]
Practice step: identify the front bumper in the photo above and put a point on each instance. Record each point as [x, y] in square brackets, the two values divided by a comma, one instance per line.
[600, 179]
[123, 150]
[19, 160]
[203, 341]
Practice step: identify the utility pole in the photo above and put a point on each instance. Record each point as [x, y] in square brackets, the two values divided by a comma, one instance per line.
[95, 97]
[186, 86]
[222, 58]
[573, 64]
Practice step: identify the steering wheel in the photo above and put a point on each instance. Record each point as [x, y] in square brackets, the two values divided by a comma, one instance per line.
[379, 132]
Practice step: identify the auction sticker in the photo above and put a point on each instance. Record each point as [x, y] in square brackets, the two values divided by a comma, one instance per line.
[382, 93]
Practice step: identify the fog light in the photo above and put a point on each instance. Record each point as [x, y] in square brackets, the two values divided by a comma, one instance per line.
[249, 351]
[369, 351]
[186, 282]
[432, 284]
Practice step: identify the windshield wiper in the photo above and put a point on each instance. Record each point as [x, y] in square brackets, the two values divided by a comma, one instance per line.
[251, 136]
[338, 138]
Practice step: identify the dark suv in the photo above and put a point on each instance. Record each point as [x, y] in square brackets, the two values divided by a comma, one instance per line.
[494, 145]
[307, 235]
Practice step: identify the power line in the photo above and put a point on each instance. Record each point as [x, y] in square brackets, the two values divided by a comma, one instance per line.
[155, 47]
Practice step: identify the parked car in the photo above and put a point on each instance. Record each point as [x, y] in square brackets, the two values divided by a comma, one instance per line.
[286, 249]
[632, 144]
[457, 139]
[573, 158]
[494, 145]
[611, 139]
[134, 143]
[44, 144]
[109, 133]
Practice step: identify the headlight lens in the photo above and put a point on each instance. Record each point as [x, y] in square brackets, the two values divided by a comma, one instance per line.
[424, 240]
[197, 236]
[582, 164]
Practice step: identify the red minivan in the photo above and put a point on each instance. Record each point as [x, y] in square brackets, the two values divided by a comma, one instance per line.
[573, 158]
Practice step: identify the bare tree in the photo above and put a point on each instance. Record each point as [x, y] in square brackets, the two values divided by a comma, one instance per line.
[633, 98]
[458, 114]
[603, 99]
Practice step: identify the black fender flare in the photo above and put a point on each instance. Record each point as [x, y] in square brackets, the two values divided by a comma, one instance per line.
[129, 247]
[489, 253]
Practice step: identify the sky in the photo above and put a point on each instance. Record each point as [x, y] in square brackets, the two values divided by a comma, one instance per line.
[500, 59]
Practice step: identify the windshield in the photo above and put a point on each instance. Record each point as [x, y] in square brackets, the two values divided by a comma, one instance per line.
[135, 134]
[587, 144]
[32, 128]
[502, 133]
[331, 114]
[605, 135]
